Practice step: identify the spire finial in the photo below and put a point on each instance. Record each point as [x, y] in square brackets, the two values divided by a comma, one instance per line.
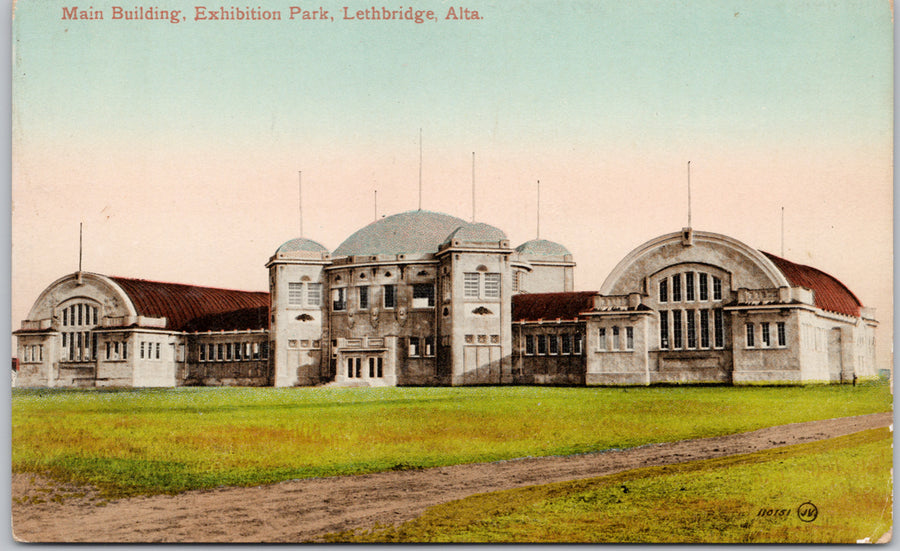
[689, 192]
[538, 209]
[473, 186]
[300, 199]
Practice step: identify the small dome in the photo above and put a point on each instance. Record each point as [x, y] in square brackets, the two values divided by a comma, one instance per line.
[415, 231]
[476, 232]
[301, 244]
[542, 247]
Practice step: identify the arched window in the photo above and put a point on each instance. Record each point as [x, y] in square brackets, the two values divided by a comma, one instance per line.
[79, 318]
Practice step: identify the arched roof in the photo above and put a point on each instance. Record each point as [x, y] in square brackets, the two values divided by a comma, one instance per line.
[829, 293]
[182, 304]
[542, 247]
[476, 232]
[301, 244]
[415, 231]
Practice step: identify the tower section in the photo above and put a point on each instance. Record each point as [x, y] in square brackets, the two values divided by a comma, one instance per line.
[298, 330]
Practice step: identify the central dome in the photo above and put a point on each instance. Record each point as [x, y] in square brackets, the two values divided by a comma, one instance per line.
[415, 231]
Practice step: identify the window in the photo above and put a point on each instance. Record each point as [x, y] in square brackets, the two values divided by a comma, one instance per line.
[689, 286]
[107, 350]
[363, 295]
[471, 283]
[339, 299]
[578, 343]
[691, 328]
[542, 344]
[704, 287]
[124, 350]
[142, 350]
[664, 330]
[414, 346]
[390, 296]
[379, 367]
[314, 294]
[601, 338]
[220, 351]
[629, 338]
[371, 367]
[782, 337]
[529, 345]
[65, 317]
[423, 295]
[554, 344]
[566, 343]
[750, 336]
[264, 350]
[238, 352]
[518, 281]
[615, 336]
[202, 352]
[492, 285]
[429, 346]
[228, 351]
[719, 327]
[676, 329]
[256, 351]
[717, 288]
[766, 337]
[704, 327]
[295, 294]
[664, 290]
[676, 288]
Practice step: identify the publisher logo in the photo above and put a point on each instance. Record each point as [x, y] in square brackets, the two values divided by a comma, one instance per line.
[807, 512]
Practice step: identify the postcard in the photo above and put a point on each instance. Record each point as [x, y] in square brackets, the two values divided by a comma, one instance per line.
[539, 271]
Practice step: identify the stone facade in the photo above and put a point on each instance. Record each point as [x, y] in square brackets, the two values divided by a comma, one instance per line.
[423, 298]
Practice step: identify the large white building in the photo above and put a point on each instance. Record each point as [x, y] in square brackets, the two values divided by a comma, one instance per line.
[424, 298]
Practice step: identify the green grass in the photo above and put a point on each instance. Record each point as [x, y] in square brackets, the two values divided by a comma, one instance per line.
[712, 501]
[131, 442]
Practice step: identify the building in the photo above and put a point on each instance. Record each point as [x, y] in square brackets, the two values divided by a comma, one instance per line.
[424, 298]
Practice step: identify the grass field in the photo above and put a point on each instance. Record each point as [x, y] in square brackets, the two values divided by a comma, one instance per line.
[848, 479]
[131, 442]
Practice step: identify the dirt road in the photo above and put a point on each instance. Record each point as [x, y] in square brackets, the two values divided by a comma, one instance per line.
[302, 510]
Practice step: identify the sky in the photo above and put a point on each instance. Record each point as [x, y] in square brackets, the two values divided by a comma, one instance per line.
[179, 145]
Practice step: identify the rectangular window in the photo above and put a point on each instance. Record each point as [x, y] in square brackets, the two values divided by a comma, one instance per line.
[220, 351]
[350, 368]
[210, 352]
[202, 352]
[78, 347]
[601, 338]
[65, 317]
[578, 343]
[94, 345]
[423, 295]
[689, 286]
[664, 330]
[704, 287]
[358, 364]
[142, 350]
[751, 341]
[492, 285]
[80, 314]
[96, 319]
[124, 350]
[566, 343]
[471, 283]
[363, 295]
[554, 344]
[256, 351]
[228, 351]
[782, 336]
[529, 345]
[116, 350]
[691, 328]
[542, 344]
[295, 294]
[380, 365]
[264, 350]
[414, 346]
[313, 294]
[676, 288]
[717, 288]
[615, 337]
[107, 350]
[629, 338]
[664, 290]
[429, 346]
[371, 367]
[676, 329]
[390, 296]
[766, 337]
[339, 299]
[238, 351]
[704, 328]
[719, 327]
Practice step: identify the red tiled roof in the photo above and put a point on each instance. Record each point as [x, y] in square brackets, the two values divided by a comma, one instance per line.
[236, 320]
[551, 306]
[830, 294]
[184, 305]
